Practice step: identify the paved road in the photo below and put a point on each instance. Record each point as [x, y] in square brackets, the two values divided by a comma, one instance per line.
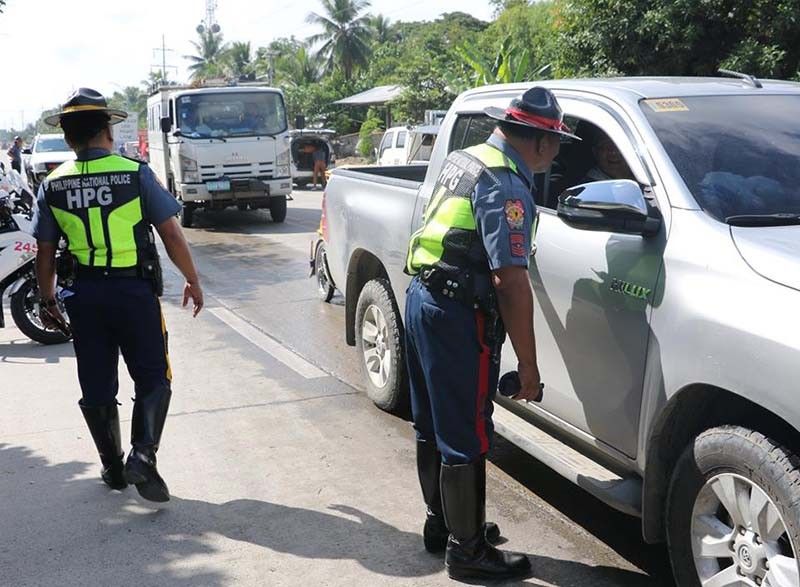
[282, 471]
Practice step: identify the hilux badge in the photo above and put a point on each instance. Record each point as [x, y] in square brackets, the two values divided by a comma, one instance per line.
[630, 289]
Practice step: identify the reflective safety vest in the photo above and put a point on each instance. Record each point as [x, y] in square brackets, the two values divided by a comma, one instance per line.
[449, 238]
[97, 204]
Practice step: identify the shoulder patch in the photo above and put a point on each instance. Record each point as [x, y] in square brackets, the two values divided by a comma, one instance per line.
[517, 244]
[515, 214]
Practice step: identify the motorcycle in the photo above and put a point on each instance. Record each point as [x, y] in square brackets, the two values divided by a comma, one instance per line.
[17, 263]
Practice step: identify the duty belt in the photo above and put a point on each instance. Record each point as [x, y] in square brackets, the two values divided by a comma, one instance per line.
[86, 271]
[457, 287]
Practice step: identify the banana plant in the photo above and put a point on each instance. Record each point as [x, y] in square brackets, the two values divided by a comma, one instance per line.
[511, 64]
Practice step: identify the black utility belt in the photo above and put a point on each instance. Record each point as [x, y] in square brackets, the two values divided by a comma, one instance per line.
[87, 271]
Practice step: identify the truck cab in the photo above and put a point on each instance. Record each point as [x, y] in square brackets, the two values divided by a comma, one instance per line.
[221, 146]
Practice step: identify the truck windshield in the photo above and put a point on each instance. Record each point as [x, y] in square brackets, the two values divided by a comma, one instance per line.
[233, 114]
[51, 145]
[738, 155]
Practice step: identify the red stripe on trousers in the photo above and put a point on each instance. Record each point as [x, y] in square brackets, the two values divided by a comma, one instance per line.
[483, 384]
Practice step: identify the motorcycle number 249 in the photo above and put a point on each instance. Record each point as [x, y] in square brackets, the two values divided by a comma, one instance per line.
[25, 247]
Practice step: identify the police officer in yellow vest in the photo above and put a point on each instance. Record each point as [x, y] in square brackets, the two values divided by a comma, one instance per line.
[470, 261]
[104, 205]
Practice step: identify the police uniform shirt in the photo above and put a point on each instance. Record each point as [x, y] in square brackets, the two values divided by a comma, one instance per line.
[159, 205]
[505, 210]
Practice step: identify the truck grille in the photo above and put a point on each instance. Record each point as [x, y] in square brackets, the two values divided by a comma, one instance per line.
[262, 170]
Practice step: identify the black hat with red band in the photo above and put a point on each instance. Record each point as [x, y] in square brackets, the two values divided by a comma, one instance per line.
[537, 108]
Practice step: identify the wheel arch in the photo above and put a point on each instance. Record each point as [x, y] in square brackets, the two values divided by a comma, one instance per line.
[694, 409]
[363, 267]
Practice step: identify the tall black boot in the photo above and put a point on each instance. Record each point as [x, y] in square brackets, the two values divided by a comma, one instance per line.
[103, 423]
[435, 532]
[469, 555]
[149, 414]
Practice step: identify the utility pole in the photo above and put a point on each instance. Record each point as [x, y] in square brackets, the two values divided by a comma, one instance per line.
[163, 50]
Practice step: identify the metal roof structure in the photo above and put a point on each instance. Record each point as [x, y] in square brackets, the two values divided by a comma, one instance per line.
[378, 95]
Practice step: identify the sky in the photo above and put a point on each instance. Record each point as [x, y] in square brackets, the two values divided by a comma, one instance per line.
[51, 47]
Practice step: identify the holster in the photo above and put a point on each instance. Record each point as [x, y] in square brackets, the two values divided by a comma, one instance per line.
[150, 267]
[66, 268]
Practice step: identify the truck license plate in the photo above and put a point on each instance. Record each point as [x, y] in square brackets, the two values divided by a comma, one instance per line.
[223, 185]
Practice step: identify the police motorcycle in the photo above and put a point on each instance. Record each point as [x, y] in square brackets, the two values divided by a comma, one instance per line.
[17, 262]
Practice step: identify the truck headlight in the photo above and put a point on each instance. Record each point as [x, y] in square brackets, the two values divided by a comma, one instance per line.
[282, 171]
[282, 158]
[188, 164]
[189, 177]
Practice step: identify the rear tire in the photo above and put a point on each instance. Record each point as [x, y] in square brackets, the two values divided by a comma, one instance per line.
[325, 287]
[24, 312]
[187, 215]
[277, 208]
[379, 340]
[734, 503]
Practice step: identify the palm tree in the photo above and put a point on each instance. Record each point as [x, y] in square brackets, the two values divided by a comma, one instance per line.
[346, 34]
[208, 62]
[155, 79]
[238, 61]
[300, 68]
[381, 29]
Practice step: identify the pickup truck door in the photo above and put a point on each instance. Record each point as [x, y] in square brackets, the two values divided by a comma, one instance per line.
[592, 337]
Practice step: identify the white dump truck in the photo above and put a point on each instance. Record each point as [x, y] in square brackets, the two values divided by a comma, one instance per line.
[220, 146]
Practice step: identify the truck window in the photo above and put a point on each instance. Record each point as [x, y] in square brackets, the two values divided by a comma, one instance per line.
[386, 143]
[401, 139]
[470, 130]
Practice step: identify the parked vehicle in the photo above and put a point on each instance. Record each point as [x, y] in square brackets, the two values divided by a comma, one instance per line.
[407, 145]
[48, 151]
[304, 143]
[221, 146]
[17, 258]
[666, 322]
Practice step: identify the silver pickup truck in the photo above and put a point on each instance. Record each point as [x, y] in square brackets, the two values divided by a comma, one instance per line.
[667, 308]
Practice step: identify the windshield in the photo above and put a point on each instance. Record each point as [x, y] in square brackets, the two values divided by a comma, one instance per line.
[738, 155]
[51, 145]
[231, 114]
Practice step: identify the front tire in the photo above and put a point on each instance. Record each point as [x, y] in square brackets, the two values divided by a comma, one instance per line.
[379, 342]
[277, 208]
[24, 311]
[733, 514]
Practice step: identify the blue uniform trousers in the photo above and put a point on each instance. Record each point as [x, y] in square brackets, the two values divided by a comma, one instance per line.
[113, 314]
[453, 378]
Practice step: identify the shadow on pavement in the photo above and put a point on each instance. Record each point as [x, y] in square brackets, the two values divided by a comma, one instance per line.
[53, 510]
[298, 220]
[23, 350]
[620, 532]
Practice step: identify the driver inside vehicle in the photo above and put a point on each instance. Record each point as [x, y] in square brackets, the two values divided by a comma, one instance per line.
[251, 118]
[609, 162]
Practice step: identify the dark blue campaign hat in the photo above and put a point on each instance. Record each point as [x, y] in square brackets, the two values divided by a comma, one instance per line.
[536, 108]
[86, 100]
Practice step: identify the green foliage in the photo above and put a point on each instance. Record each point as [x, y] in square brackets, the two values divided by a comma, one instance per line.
[345, 37]
[131, 99]
[372, 124]
[209, 61]
[678, 37]
[237, 61]
[511, 64]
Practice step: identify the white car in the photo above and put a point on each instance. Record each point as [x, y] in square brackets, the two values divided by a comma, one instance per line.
[48, 152]
[406, 145]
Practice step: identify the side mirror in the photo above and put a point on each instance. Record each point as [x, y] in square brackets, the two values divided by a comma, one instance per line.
[299, 122]
[608, 206]
[27, 151]
[177, 133]
[166, 124]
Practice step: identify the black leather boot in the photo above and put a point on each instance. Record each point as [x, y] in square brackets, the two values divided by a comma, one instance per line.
[469, 555]
[103, 423]
[149, 413]
[435, 532]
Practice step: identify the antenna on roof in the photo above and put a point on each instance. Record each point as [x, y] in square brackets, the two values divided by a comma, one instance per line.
[748, 78]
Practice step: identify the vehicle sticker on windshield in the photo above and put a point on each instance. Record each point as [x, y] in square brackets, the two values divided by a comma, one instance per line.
[667, 105]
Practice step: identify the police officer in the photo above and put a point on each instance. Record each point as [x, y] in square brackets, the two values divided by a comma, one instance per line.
[470, 262]
[104, 205]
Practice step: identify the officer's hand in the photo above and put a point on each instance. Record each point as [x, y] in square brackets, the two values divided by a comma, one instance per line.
[51, 318]
[529, 379]
[195, 292]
